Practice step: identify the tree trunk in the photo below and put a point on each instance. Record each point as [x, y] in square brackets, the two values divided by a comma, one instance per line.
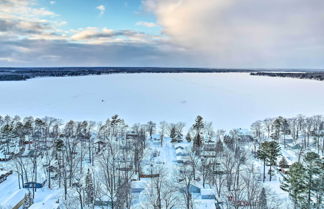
[264, 170]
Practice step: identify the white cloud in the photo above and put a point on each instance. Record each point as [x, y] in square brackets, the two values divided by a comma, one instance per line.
[102, 9]
[52, 2]
[93, 35]
[146, 24]
[25, 19]
[246, 33]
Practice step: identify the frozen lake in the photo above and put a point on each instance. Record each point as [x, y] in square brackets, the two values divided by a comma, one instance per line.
[229, 100]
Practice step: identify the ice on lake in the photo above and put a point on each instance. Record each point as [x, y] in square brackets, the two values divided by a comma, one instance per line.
[229, 100]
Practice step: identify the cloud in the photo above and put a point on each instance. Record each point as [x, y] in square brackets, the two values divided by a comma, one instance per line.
[18, 26]
[205, 33]
[52, 2]
[146, 24]
[97, 35]
[21, 19]
[65, 53]
[102, 9]
[27, 9]
[246, 33]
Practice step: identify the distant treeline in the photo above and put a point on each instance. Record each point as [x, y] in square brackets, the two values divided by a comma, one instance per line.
[16, 74]
[301, 75]
[27, 73]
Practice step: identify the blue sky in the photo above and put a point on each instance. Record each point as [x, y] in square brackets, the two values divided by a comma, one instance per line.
[118, 14]
[173, 33]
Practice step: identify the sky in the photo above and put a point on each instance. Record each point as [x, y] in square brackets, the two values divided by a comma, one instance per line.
[171, 33]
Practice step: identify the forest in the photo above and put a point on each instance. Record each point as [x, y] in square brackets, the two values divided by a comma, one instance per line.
[15, 74]
[300, 75]
[278, 163]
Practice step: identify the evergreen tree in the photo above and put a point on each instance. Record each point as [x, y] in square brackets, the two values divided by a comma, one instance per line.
[173, 134]
[283, 163]
[319, 185]
[198, 126]
[294, 184]
[263, 200]
[285, 129]
[272, 152]
[262, 155]
[312, 168]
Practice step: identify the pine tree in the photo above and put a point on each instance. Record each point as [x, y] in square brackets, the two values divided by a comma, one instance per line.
[263, 200]
[198, 126]
[285, 129]
[294, 183]
[283, 163]
[262, 155]
[319, 185]
[173, 134]
[311, 162]
[273, 152]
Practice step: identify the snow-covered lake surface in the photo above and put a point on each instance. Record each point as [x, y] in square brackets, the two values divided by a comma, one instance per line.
[229, 100]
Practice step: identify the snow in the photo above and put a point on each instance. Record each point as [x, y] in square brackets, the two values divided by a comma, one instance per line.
[11, 195]
[46, 198]
[230, 100]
